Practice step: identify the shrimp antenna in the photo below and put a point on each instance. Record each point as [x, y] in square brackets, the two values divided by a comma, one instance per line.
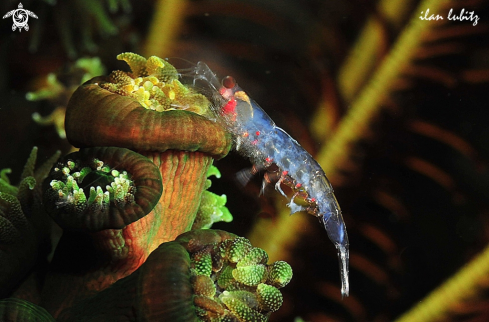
[171, 59]
[187, 71]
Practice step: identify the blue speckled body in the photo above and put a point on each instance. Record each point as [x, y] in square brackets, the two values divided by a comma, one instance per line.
[258, 138]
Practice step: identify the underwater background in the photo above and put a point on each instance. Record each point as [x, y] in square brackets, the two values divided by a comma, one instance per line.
[392, 106]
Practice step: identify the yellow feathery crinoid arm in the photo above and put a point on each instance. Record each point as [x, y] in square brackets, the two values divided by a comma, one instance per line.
[461, 287]
[136, 62]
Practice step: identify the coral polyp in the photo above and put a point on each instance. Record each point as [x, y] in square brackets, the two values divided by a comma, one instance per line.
[102, 188]
[212, 207]
[58, 87]
[119, 190]
[24, 227]
[181, 281]
[154, 83]
[236, 282]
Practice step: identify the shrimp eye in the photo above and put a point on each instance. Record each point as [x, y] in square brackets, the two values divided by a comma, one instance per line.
[228, 82]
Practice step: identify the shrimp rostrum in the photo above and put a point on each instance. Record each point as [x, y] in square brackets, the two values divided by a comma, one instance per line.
[258, 138]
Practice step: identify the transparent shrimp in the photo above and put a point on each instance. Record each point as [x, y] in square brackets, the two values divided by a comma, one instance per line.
[259, 139]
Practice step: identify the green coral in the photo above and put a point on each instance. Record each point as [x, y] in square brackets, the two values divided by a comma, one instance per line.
[204, 285]
[255, 256]
[17, 203]
[240, 308]
[237, 285]
[250, 269]
[53, 88]
[93, 186]
[202, 263]
[5, 185]
[279, 274]
[238, 249]
[154, 83]
[58, 92]
[91, 66]
[82, 69]
[212, 207]
[269, 297]
[226, 278]
[250, 275]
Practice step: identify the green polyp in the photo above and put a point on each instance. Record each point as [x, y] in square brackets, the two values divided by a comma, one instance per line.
[226, 277]
[250, 275]
[80, 175]
[202, 263]
[11, 209]
[52, 89]
[93, 67]
[71, 184]
[79, 199]
[240, 308]
[96, 178]
[212, 207]
[269, 297]
[255, 256]
[94, 186]
[5, 185]
[279, 274]
[238, 249]
[4, 176]
[71, 165]
[29, 165]
[57, 185]
[204, 285]
[213, 171]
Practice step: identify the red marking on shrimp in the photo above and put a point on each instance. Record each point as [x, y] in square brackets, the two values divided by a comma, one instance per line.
[298, 185]
[284, 173]
[257, 133]
[268, 160]
[230, 106]
[246, 134]
[229, 110]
